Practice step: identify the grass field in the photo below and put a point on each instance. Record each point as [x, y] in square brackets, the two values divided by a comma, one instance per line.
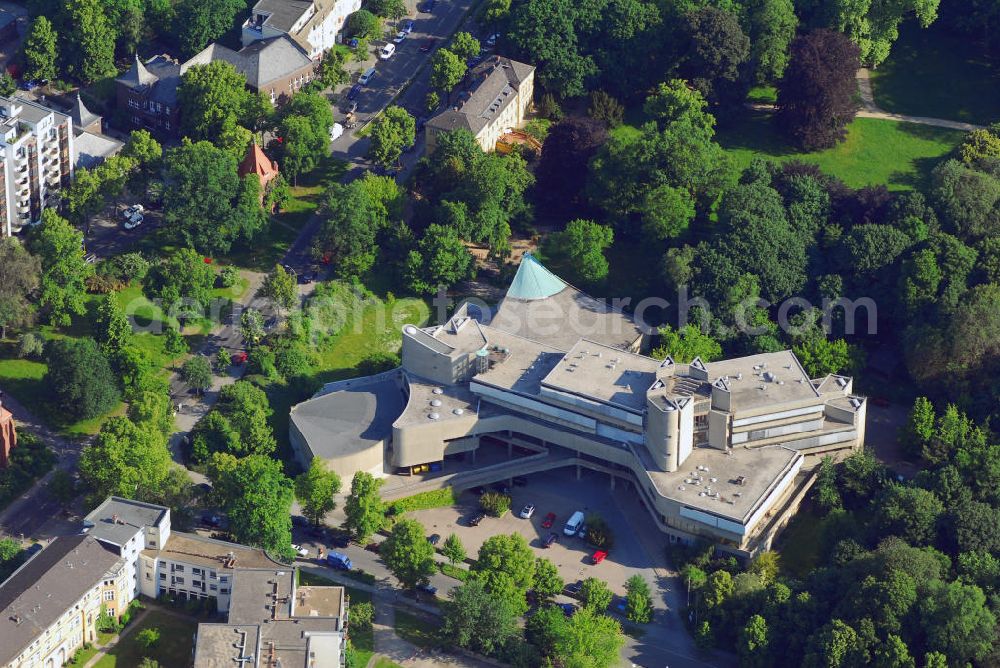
[417, 629]
[173, 649]
[898, 155]
[934, 73]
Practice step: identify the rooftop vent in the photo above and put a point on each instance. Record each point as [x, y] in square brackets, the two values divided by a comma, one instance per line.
[437, 390]
[410, 329]
[841, 381]
[435, 402]
[768, 376]
[856, 403]
[433, 416]
[459, 411]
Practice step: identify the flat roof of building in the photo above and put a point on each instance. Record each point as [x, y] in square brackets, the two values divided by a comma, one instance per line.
[116, 520]
[427, 398]
[692, 485]
[523, 365]
[779, 374]
[225, 644]
[611, 375]
[350, 416]
[191, 548]
[46, 586]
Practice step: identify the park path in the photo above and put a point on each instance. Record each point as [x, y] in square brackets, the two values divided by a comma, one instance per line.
[870, 108]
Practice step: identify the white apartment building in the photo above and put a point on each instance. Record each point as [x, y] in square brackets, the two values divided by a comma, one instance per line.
[313, 24]
[36, 161]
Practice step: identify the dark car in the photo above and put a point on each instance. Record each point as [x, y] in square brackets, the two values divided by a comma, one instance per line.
[354, 92]
[551, 538]
[373, 547]
[213, 521]
[478, 491]
[475, 60]
[299, 521]
[408, 26]
[428, 6]
[427, 588]
[353, 43]
[427, 45]
[520, 481]
[434, 539]
[568, 609]
[476, 519]
[573, 589]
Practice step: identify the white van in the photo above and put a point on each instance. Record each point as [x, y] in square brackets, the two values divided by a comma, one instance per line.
[387, 51]
[366, 76]
[574, 523]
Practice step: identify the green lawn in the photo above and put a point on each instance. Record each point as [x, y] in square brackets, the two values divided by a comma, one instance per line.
[934, 73]
[84, 655]
[417, 629]
[898, 155]
[437, 498]
[174, 648]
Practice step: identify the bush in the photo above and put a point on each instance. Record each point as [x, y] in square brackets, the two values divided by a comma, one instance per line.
[494, 503]
[599, 533]
[606, 109]
[548, 107]
[30, 346]
[228, 277]
[173, 342]
[362, 615]
[437, 498]
[148, 637]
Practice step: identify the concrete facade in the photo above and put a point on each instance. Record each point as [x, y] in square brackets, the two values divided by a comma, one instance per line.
[714, 449]
[36, 161]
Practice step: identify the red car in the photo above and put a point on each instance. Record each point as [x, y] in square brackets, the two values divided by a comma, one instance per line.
[240, 357]
[428, 45]
[549, 521]
[599, 556]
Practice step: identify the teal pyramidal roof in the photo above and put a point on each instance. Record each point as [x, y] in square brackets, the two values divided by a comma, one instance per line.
[533, 281]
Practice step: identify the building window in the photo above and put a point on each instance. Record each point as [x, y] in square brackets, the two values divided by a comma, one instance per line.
[163, 576]
[196, 571]
[109, 595]
[179, 568]
[213, 587]
[223, 591]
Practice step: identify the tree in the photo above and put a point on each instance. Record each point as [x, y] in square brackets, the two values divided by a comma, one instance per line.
[363, 23]
[353, 215]
[716, 52]
[686, 343]
[589, 639]
[967, 199]
[638, 600]
[246, 408]
[280, 289]
[766, 565]
[474, 618]
[126, 459]
[408, 553]
[464, 45]
[364, 507]
[957, 621]
[394, 130]
[112, 327]
[605, 109]
[909, 512]
[202, 21]
[596, 595]
[257, 497]
[753, 642]
[453, 549]
[562, 169]
[772, 26]
[79, 379]
[447, 70]
[252, 326]
[973, 526]
[315, 489]
[333, 69]
[183, 283]
[7, 84]
[835, 644]
[432, 102]
[59, 246]
[506, 557]
[816, 95]
[200, 184]
[145, 150]
[543, 32]
[440, 259]
[20, 277]
[197, 373]
[90, 40]
[40, 52]
[305, 133]
[390, 9]
[874, 26]
[820, 356]
[209, 96]
[547, 581]
[148, 637]
[583, 244]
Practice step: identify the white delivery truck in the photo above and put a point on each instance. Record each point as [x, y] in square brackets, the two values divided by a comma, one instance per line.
[574, 523]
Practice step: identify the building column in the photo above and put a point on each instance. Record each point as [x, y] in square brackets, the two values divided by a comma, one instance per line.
[510, 450]
[612, 482]
[577, 471]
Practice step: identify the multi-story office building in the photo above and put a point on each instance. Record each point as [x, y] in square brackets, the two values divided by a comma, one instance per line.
[713, 450]
[36, 150]
[313, 24]
[50, 605]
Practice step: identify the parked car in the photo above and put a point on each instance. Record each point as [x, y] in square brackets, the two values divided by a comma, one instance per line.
[132, 210]
[386, 52]
[427, 45]
[427, 588]
[520, 481]
[476, 519]
[573, 589]
[408, 26]
[352, 107]
[434, 539]
[551, 538]
[475, 60]
[301, 551]
[582, 533]
[340, 539]
[400, 36]
[373, 547]
[549, 520]
[353, 43]
[366, 76]
[299, 521]
[599, 556]
[568, 609]
[239, 357]
[527, 512]
[308, 276]
[213, 521]
[491, 41]
[339, 561]
[336, 130]
[428, 6]
[354, 92]
[134, 222]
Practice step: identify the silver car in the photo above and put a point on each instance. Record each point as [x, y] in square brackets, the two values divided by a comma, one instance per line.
[527, 512]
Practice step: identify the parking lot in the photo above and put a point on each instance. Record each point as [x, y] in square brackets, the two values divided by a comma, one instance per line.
[559, 492]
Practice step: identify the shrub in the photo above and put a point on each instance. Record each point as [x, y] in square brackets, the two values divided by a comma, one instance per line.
[606, 109]
[495, 503]
[148, 637]
[362, 615]
[173, 342]
[599, 533]
[549, 108]
[30, 346]
[228, 277]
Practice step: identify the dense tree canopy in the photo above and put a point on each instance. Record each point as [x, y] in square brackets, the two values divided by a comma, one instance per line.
[257, 497]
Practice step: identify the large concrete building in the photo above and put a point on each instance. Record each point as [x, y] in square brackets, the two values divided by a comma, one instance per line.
[495, 99]
[313, 24]
[126, 549]
[714, 450]
[36, 161]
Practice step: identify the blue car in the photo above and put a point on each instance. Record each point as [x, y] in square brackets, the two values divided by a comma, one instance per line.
[339, 561]
[408, 26]
[353, 43]
[428, 6]
[354, 92]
